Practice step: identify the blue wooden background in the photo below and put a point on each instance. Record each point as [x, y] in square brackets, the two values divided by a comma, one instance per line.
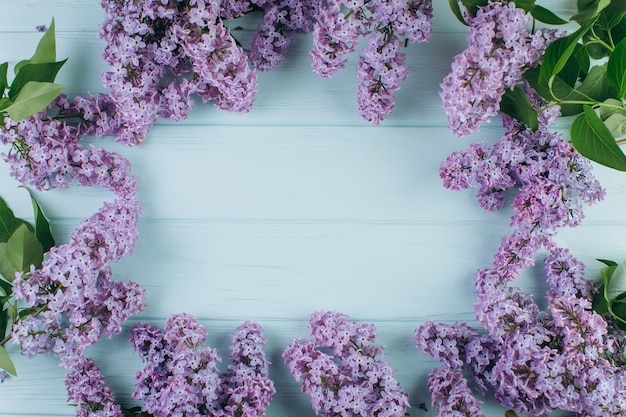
[295, 207]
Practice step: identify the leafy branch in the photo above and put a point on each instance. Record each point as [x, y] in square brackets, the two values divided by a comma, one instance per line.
[22, 246]
[610, 300]
[33, 87]
[584, 73]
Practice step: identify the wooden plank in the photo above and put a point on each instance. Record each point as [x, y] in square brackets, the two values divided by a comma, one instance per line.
[286, 270]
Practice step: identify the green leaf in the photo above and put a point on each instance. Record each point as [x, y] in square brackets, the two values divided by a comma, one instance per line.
[616, 123]
[515, 103]
[614, 13]
[616, 69]
[42, 226]
[546, 16]
[595, 50]
[607, 275]
[6, 287]
[608, 107]
[33, 98]
[473, 5]
[618, 32]
[575, 67]
[594, 141]
[45, 72]
[607, 262]
[6, 363]
[25, 312]
[595, 85]
[618, 310]
[561, 89]
[23, 249]
[599, 304]
[589, 10]
[456, 10]
[526, 5]
[583, 4]
[4, 323]
[46, 50]
[8, 222]
[7, 270]
[4, 103]
[3, 78]
[594, 88]
[558, 54]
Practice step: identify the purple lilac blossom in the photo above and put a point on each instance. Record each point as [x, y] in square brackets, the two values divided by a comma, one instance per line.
[533, 360]
[381, 66]
[181, 377]
[335, 34]
[73, 291]
[499, 50]
[162, 53]
[343, 371]
[73, 299]
[380, 71]
[246, 389]
[281, 20]
[88, 392]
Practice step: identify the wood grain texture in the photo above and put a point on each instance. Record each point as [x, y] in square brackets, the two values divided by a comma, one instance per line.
[296, 206]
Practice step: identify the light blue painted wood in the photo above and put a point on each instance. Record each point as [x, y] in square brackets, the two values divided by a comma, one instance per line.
[297, 206]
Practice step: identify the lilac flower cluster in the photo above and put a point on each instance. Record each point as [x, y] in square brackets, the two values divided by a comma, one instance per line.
[499, 50]
[161, 53]
[74, 300]
[533, 360]
[553, 179]
[343, 371]
[281, 20]
[86, 389]
[181, 377]
[73, 293]
[382, 65]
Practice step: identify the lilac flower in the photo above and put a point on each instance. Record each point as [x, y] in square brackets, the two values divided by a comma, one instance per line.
[246, 389]
[554, 179]
[499, 51]
[334, 36]
[353, 378]
[533, 360]
[231, 9]
[86, 389]
[381, 66]
[281, 19]
[73, 292]
[451, 394]
[149, 42]
[381, 70]
[181, 377]
[72, 297]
